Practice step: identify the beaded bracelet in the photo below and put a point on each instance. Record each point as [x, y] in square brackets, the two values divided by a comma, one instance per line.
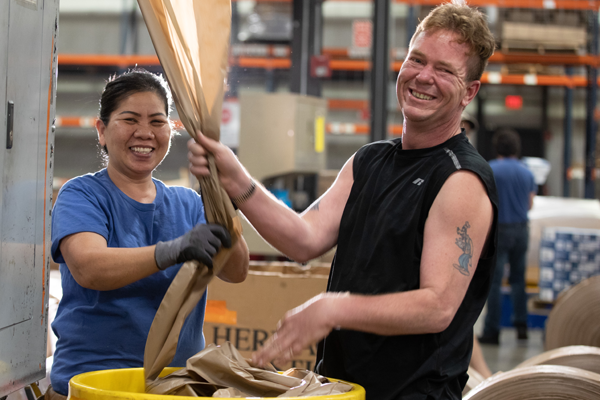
[246, 195]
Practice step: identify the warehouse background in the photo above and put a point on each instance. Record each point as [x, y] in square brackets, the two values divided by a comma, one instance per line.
[345, 55]
[536, 82]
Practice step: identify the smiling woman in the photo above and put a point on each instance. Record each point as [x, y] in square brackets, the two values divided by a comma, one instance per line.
[137, 137]
[120, 237]
[136, 106]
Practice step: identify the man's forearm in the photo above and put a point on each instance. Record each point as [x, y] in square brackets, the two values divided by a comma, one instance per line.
[280, 226]
[415, 312]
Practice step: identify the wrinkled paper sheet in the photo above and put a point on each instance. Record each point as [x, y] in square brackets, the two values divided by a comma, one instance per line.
[191, 39]
[221, 371]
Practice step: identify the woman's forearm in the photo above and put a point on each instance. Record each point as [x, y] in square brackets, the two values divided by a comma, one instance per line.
[98, 267]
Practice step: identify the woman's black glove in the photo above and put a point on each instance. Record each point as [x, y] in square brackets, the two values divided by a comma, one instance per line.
[200, 243]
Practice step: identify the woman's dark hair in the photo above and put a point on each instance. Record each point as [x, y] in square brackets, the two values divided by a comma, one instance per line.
[507, 142]
[137, 80]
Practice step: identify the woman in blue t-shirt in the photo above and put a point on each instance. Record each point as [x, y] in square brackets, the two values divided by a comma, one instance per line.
[120, 237]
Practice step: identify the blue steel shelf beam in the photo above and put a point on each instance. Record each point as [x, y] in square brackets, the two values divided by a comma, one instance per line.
[568, 135]
[306, 42]
[380, 70]
[233, 77]
[592, 96]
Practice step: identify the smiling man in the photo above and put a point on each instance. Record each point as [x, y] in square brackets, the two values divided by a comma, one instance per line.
[414, 220]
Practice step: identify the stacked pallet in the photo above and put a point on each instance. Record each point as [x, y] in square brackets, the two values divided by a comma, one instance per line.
[543, 31]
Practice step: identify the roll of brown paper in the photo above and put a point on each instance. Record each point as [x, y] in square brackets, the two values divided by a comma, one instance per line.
[537, 383]
[475, 378]
[574, 318]
[583, 357]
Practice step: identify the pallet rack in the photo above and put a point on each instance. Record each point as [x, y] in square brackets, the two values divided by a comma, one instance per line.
[277, 58]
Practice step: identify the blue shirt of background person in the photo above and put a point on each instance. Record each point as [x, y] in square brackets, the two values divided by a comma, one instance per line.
[516, 188]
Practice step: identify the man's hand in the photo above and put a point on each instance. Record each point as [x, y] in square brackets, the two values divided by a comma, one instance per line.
[200, 243]
[299, 328]
[233, 176]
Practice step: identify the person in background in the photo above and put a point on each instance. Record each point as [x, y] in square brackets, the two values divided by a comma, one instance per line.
[120, 237]
[516, 189]
[470, 125]
[414, 223]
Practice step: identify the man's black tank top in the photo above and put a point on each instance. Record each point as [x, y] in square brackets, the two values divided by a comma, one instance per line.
[379, 251]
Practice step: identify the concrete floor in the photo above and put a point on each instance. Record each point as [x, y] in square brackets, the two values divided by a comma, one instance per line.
[511, 352]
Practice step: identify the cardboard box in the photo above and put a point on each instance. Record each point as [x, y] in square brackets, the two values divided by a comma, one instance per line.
[246, 314]
[520, 35]
[281, 133]
[567, 256]
[326, 179]
[549, 212]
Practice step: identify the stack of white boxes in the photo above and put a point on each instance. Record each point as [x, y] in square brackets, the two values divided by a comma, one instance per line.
[567, 256]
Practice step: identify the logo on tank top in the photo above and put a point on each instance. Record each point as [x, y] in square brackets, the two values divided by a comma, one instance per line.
[418, 181]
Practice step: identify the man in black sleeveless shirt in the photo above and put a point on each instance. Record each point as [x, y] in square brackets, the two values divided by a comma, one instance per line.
[414, 221]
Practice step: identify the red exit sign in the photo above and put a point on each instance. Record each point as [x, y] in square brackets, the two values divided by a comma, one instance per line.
[513, 102]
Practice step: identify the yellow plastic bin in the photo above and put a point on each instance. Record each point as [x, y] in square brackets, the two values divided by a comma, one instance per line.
[128, 384]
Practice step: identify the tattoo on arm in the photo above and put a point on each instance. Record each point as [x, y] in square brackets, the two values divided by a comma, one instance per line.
[315, 206]
[464, 242]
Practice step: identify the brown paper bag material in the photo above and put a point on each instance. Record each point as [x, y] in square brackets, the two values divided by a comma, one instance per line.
[230, 393]
[174, 384]
[303, 373]
[233, 376]
[224, 366]
[185, 391]
[317, 385]
[182, 296]
[191, 39]
[180, 382]
[252, 316]
[312, 386]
